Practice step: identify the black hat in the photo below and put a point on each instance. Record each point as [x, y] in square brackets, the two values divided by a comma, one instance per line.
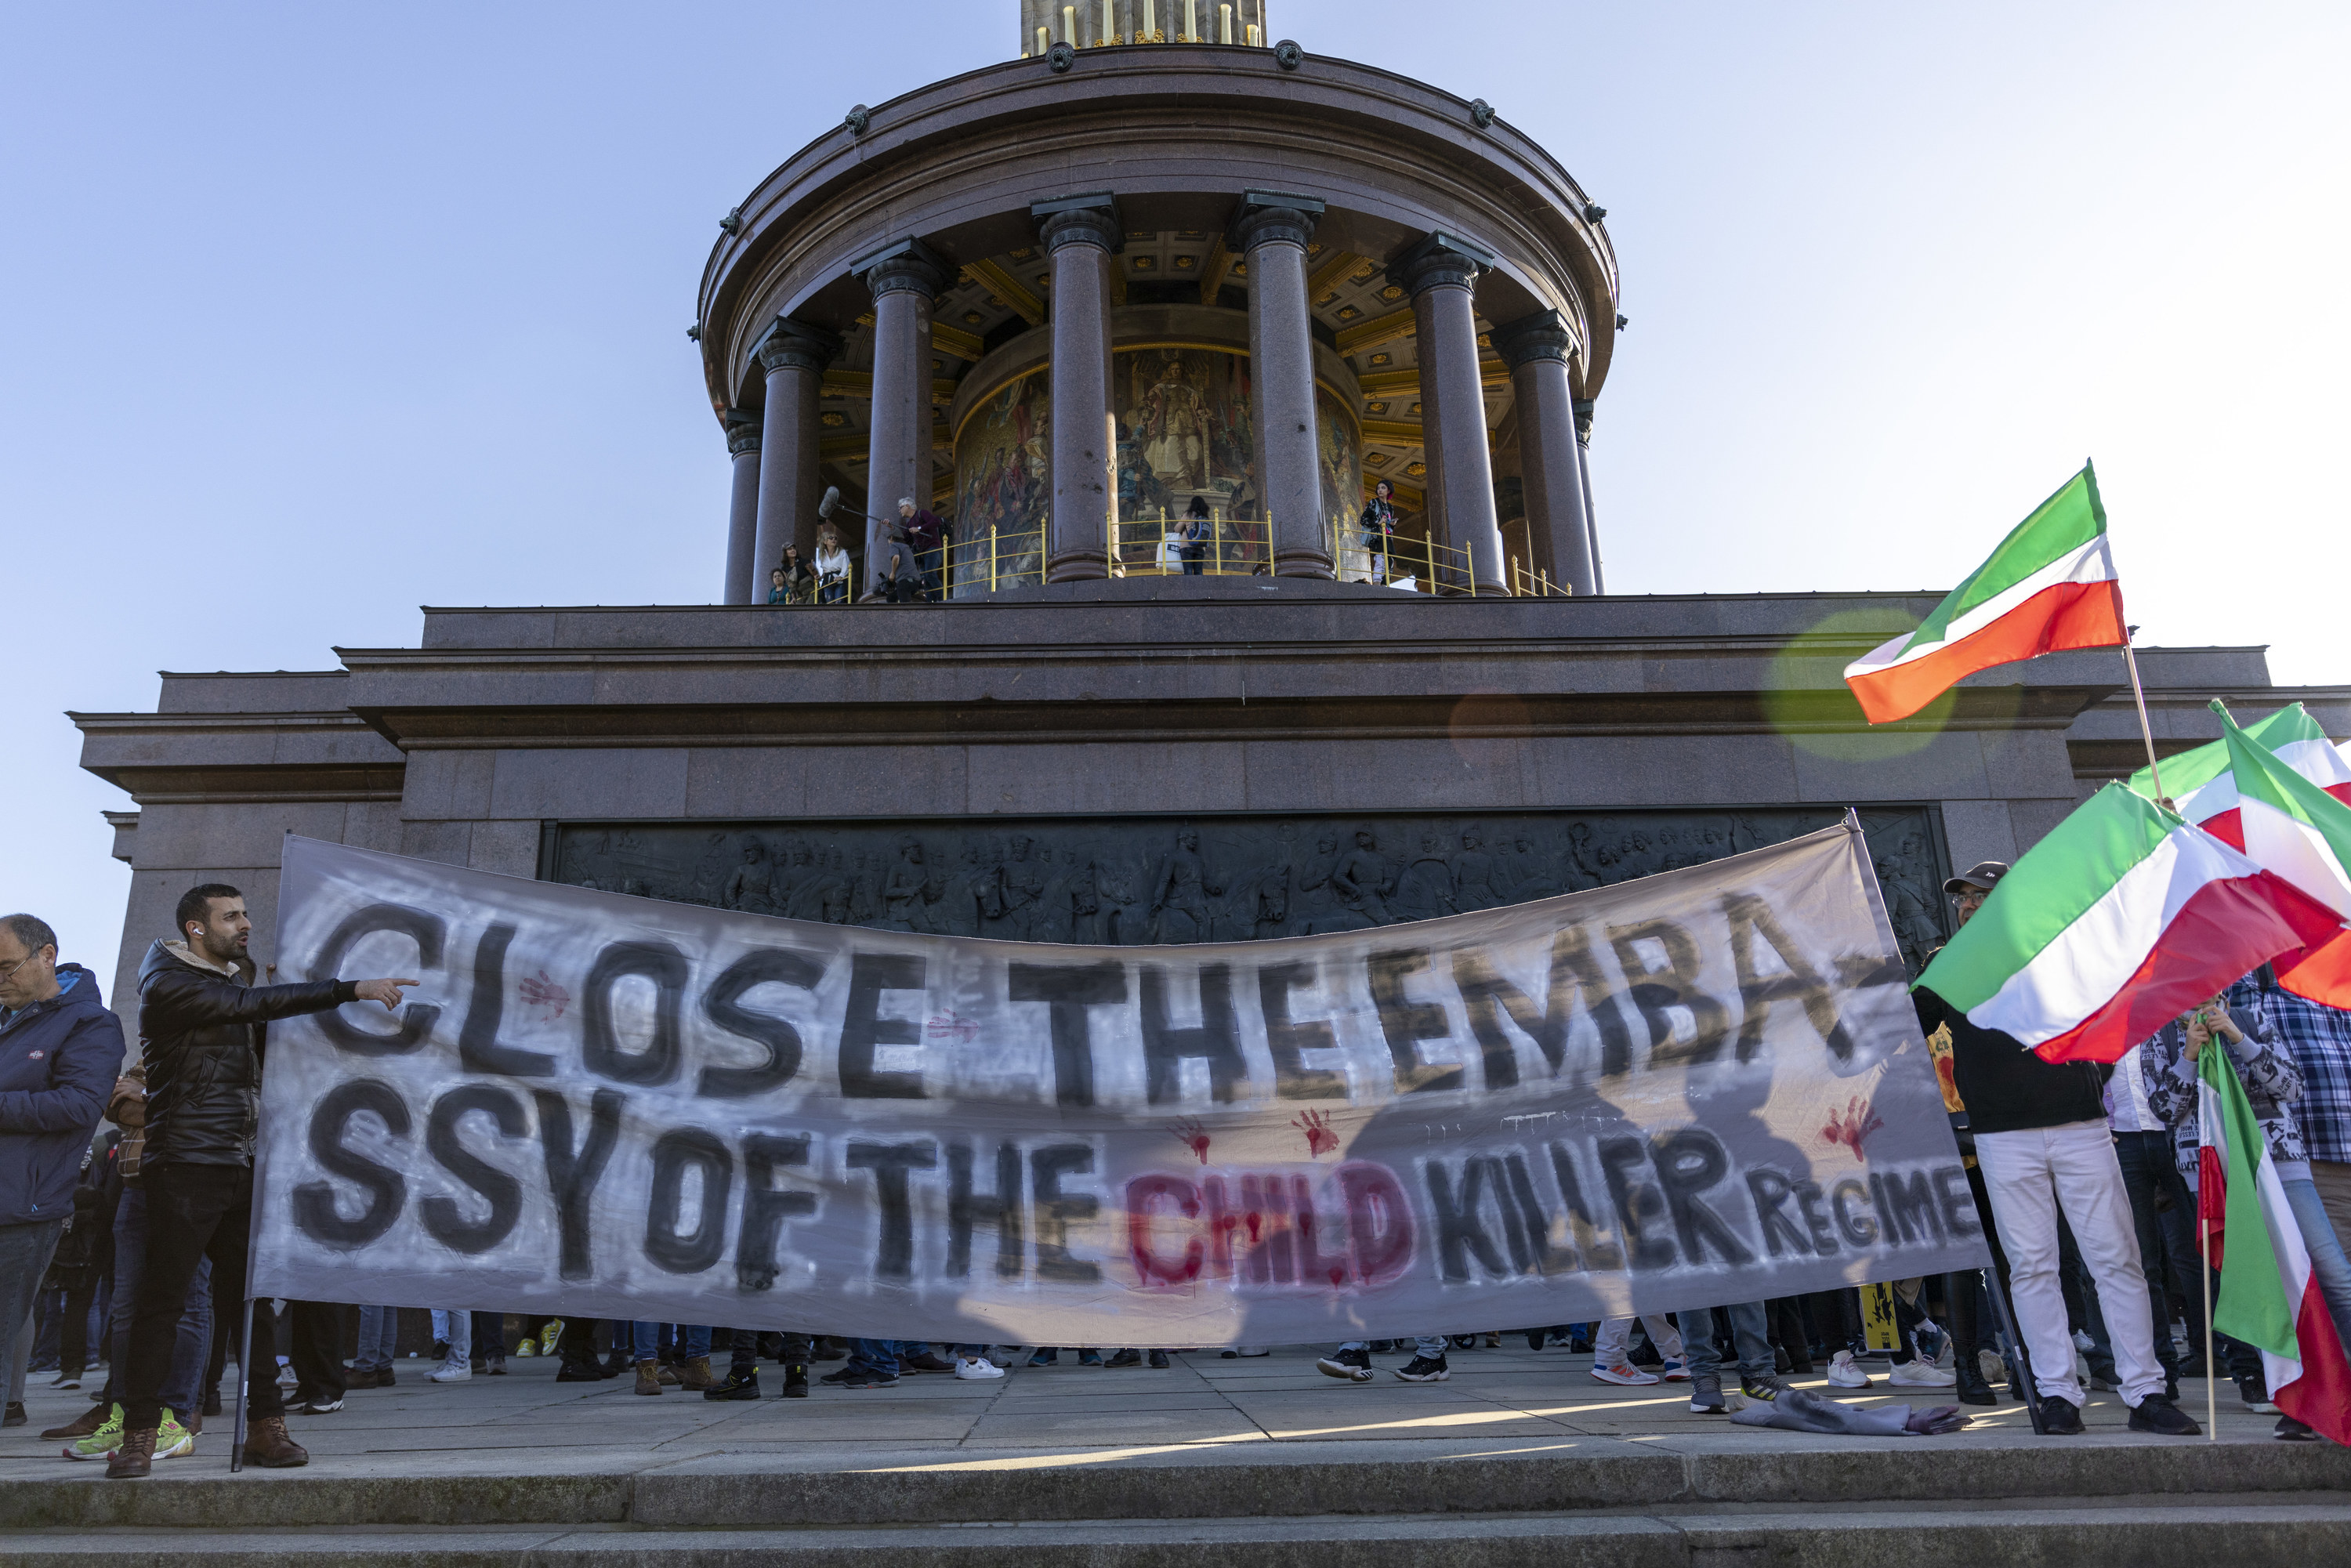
[1985, 875]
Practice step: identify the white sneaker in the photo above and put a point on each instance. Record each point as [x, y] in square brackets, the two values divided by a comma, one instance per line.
[1674, 1369]
[1843, 1373]
[451, 1372]
[1921, 1374]
[1625, 1375]
[978, 1366]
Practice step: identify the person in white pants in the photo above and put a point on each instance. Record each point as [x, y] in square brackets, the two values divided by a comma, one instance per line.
[1612, 1359]
[457, 1368]
[2041, 1141]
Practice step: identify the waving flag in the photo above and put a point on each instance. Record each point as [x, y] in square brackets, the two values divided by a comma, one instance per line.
[2203, 787]
[2050, 585]
[2120, 920]
[2269, 1296]
[2300, 833]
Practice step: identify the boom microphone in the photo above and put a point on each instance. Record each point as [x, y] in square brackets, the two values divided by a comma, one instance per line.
[830, 504]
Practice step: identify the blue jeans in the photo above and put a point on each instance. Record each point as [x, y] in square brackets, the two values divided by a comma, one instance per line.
[2327, 1260]
[875, 1355]
[692, 1340]
[195, 1337]
[24, 1252]
[1431, 1345]
[1748, 1332]
[378, 1338]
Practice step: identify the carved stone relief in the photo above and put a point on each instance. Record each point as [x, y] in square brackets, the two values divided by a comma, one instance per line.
[1130, 881]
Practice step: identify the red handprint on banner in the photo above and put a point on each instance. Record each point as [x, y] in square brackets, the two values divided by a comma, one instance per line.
[539, 991]
[1320, 1139]
[1852, 1127]
[1193, 1136]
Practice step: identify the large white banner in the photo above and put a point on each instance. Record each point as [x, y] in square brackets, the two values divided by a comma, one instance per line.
[1701, 1087]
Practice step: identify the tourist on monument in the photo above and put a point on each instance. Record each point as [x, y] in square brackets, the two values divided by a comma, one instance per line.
[2272, 1085]
[927, 532]
[1192, 539]
[831, 566]
[896, 576]
[2040, 1140]
[1751, 1336]
[1379, 522]
[59, 1047]
[201, 1020]
[798, 578]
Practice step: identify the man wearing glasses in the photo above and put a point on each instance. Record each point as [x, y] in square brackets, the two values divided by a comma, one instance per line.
[59, 1049]
[2041, 1144]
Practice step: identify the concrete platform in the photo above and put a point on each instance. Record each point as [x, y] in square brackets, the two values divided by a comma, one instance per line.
[1519, 1457]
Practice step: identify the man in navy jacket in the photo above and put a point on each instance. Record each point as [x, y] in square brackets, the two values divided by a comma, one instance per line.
[59, 1050]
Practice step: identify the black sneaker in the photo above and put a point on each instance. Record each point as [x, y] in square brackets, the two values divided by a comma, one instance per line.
[319, 1405]
[926, 1362]
[1767, 1387]
[2159, 1416]
[1159, 1360]
[795, 1383]
[1089, 1357]
[1972, 1388]
[579, 1372]
[742, 1385]
[1705, 1395]
[14, 1415]
[1420, 1369]
[213, 1403]
[1382, 1346]
[1125, 1358]
[2062, 1417]
[1348, 1366]
[2289, 1430]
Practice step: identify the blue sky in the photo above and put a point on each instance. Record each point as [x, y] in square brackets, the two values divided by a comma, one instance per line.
[318, 313]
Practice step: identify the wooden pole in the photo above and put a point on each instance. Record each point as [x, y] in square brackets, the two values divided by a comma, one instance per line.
[2145, 731]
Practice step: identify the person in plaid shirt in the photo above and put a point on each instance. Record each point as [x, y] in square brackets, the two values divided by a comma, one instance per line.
[2318, 1037]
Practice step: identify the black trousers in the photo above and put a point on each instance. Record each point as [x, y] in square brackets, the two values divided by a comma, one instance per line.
[316, 1330]
[73, 1332]
[194, 1211]
[489, 1336]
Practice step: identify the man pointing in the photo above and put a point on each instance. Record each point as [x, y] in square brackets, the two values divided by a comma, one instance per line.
[201, 1021]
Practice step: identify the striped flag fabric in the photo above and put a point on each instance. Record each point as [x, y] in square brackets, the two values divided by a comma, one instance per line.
[2204, 789]
[2300, 833]
[2270, 1296]
[2118, 922]
[2050, 585]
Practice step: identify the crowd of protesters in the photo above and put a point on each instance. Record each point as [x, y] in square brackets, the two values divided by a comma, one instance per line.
[2083, 1178]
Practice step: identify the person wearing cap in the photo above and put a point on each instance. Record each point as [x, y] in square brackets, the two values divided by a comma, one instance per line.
[927, 534]
[2041, 1144]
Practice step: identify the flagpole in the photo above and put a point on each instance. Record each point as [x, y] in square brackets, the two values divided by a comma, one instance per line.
[2204, 1245]
[2145, 730]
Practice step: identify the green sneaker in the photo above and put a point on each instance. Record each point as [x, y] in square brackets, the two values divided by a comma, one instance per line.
[173, 1438]
[101, 1444]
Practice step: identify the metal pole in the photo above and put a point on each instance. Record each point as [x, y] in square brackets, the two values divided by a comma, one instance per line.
[2145, 731]
[2019, 1359]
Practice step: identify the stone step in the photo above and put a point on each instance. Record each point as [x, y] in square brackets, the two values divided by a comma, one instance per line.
[2191, 1532]
[1237, 1481]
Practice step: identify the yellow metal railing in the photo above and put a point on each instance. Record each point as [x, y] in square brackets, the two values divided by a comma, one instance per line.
[1168, 546]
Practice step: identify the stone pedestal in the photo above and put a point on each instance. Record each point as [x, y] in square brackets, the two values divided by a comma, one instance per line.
[1272, 232]
[1536, 348]
[1080, 233]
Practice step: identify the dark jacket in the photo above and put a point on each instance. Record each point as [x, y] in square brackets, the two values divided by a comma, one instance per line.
[2005, 1087]
[200, 1031]
[57, 1059]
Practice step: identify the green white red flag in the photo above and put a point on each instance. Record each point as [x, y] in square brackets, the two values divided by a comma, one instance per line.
[2270, 1296]
[2118, 922]
[2050, 585]
[2300, 833]
[2203, 787]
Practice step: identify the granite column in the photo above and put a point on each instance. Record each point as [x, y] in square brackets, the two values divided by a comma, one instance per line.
[1271, 231]
[1440, 273]
[794, 357]
[905, 277]
[743, 570]
[1536, 348]
[1584, 477]
[1080, 233]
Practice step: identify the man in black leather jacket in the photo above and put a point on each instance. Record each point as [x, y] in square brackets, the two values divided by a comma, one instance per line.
[201, 1021]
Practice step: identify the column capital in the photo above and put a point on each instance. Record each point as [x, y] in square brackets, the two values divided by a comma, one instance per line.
[743, 428]
[908, 263]
[1266, 217]
[797, 345]
[1545, 335]
[1080, 220]
[1440, 260]
[1583, 421]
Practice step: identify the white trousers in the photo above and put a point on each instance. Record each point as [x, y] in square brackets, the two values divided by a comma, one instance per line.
[1616, 1336]
[2030, 1176]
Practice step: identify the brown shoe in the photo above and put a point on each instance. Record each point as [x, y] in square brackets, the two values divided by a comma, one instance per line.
[383, 1379]
[90, 1421]
[266, 1444]
[134, 1459]
[697, 1375]
[195, 1422]
[668, 1374]
[648, 1378]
